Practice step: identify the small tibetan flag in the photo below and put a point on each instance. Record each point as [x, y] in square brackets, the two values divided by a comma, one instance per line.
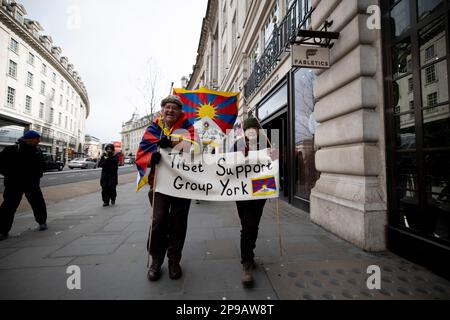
[264, 186]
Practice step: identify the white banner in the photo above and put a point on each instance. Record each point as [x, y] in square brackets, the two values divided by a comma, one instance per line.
[222, 177]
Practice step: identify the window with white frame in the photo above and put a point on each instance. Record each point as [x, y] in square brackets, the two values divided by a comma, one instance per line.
[44, 69]
[61, 85]
[54, 77]
[430, 52]
[430, 74]
[53, 94]
[30, 79]
[234, 33]
[41, 110]
[432, 99]
[12, 69]
[254, 56]
[59, 118]
[30, 59]
[28, 104]
[60, 100]
[224, 61]
[410, 84]
[65, 123]
[224, 15]
[42, 88]
[67, 105]
[11, 97]
[19, 16]
[271, 21]
[52, 113]
[14, 45]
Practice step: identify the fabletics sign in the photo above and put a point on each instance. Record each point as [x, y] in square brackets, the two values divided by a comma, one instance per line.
[310, 57]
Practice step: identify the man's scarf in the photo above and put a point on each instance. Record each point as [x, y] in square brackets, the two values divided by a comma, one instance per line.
[182, 130]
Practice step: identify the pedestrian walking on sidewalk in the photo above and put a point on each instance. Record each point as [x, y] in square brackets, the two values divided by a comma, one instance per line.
[170, 214]
[250, 211]
[109, 162]
[23, 166]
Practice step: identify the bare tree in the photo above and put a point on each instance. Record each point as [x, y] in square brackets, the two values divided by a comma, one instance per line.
[148, 88]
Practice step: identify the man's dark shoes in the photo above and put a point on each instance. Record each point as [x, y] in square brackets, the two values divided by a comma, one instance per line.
[113, 202]
[3, 236]
[105, 204]
[43, 227]
[175, 270]
[154, 272]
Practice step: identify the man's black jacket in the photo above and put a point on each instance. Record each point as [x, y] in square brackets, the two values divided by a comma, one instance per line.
[110, 166]
[21, 164]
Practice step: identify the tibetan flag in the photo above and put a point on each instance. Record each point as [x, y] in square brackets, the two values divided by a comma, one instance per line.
[264, 186]
[182, 130]
[220, 107]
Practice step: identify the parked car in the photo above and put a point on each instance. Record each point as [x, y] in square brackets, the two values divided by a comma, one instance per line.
[128, 161]
[51, 163]
[82, 163]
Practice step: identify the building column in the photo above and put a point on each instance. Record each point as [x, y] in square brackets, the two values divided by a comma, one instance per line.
[349, 199]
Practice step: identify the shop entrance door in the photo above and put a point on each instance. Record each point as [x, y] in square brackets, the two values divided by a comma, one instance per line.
[277, 133]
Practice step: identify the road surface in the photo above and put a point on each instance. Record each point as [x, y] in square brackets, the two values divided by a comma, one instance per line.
[54, 178]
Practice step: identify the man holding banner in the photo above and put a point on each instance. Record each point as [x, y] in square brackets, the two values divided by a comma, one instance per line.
[171, 130]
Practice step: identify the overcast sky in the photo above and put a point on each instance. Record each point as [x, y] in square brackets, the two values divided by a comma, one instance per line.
[111, 43]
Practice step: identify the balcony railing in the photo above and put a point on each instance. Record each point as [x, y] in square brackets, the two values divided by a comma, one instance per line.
[296, 18]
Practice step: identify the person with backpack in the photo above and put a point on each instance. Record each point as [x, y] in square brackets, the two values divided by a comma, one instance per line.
[23, 166]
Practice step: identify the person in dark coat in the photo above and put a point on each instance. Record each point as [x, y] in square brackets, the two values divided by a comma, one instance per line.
[250, 211]
[23, 166]
[109, 162]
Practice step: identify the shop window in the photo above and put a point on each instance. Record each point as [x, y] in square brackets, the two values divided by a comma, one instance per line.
[400, 17]
[305, 128]
[427, 7]
[419, 180]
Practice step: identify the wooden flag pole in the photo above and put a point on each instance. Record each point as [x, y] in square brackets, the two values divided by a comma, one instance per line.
[153, 213]
[149, 241]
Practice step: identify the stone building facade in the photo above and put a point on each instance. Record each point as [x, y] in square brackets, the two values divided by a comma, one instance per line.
[364, 144]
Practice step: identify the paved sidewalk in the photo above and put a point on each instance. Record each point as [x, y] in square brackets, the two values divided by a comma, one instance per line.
[109, 245]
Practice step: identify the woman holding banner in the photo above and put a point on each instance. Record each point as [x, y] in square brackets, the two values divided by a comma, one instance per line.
[250, 211]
